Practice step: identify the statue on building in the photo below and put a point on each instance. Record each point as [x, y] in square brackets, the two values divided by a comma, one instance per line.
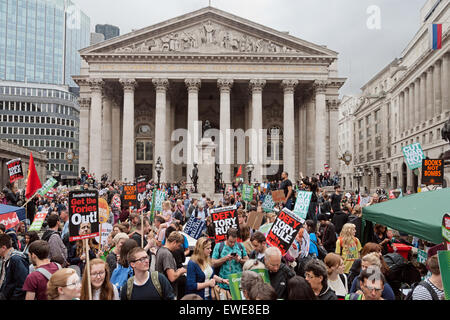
[218, 179]
[206, 127]
[209, 32]
[194, 177]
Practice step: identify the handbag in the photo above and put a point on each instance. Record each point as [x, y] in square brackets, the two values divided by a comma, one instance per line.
[321, 250]
[219, 293]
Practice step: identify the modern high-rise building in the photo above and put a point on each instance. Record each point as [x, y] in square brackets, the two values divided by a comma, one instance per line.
[39, 110]
[40, 39]
[107, 30]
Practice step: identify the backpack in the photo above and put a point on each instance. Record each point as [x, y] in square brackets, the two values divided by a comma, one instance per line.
[155, 280]
[341, 243]
[353, 296]
[120, 276]
[222, 244]
[47, 273]
[427, 286]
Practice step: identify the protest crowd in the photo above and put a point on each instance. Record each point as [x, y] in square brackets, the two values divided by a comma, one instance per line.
[170, 246]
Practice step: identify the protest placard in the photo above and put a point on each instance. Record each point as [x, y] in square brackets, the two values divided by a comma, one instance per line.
[9, 220]
[224, 219]
[83, 215]
[15, 170]
[432, 172]
[268, 203]
[254, 219]
[414, 155]
[278, 196]
[247, 192]
[446, 229]
[141, 185]
[160, 196]
[302, 204]
[444, 267]
[129, 198]
[235, 283]
[422, 256]
[103, 210]
[284, 230]
[47, 186]
[38, 221]
[194, 227]
[106, 229]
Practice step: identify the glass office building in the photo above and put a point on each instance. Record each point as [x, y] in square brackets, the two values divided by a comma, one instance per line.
[40, 39]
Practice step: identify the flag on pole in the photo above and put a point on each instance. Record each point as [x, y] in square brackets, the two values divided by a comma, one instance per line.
[33, 182]
[435, 31]
[239, 171]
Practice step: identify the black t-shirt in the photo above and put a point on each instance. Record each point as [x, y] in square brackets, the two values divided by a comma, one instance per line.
[148, 291]
[138, 238]
[336, 202]
[284, 185]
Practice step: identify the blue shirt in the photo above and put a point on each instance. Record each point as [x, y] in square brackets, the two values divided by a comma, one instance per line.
[312, 246]
[185, 244]
[231, 266]
[65, 229]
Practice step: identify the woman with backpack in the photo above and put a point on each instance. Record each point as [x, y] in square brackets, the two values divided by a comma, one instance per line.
[337, 279]
[101, 287]
[123, 271]
[348, 246]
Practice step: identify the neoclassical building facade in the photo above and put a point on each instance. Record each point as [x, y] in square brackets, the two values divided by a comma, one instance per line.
[138, 89]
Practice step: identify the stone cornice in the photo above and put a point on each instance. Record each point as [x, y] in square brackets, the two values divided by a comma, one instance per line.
[225, 85]
[96, 85]
[193, 84]
[161, 84]
[320, 86]
[288, 86]
[128, 84]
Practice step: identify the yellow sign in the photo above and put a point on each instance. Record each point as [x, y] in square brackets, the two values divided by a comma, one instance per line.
[103, 210]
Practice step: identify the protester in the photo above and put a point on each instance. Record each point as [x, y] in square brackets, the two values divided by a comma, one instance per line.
[300, 289]
[30, 237]
[262, 291]
[311, 229]
[348, 246]
[431, 288]
[113, 257]
[372, 282]
[317, 276]
[101, 287]
[64, 284]
[327, 233]
[165, 262]
[145, 285]
[35, 284]
[244, 232]
[200, 274]
[253, 264]
[339, 219]
[228, 257]
[337, 279]
[279, 273]
[258, 240]
[123, 271]
[286, 186]
[372, 259]
[77, 254]
[336, 198]
[249, 279]
[380, 235]
[58, 251]
[14, 270]
[139, 237]
[369, 247]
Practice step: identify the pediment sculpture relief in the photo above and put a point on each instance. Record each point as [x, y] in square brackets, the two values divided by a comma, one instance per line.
[208, 37]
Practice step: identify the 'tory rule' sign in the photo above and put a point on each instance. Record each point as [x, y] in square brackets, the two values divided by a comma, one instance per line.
[284, 230]
[15, 170]
[224, 219]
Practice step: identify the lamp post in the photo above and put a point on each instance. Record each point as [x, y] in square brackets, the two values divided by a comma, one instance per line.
[358, 175]
[250, 168]
[159, 168]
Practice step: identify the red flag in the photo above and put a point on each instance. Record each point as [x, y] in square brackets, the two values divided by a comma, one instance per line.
[33, 182]
[239, 171]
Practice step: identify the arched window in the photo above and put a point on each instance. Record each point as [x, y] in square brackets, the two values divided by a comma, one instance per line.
[275, 143]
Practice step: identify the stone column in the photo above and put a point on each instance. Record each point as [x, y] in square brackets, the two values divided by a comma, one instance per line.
[333, 110]
[302, 137]
[95, 132]
[311, 137]
[320, 133]
[85, 105]
[256, 153]
[194, 131]
[412, 108]
[161, 86]
[417, 103]
[116, 124]
[429, 94]
[128, 143]
[107, 134]
[423, 98]
[225, 151]
[402, 110]
[445, 89]
[289, 129]
[437, 88]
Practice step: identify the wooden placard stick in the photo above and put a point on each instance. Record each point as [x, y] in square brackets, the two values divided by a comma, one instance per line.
[86, 248]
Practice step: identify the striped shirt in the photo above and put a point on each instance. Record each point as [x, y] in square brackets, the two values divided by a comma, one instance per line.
[421, 293]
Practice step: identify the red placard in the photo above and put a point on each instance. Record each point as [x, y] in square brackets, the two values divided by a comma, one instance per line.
[284, 230]
[224, 219]
[15, 170]
[9, 220]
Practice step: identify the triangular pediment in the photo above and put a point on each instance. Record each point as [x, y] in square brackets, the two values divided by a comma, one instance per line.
[208, 31]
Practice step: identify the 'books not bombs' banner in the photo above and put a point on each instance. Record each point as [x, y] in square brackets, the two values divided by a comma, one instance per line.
[83, 215]
[129, 196]
[224, 219]
[15, 170]
[284, 230]
[433, 172]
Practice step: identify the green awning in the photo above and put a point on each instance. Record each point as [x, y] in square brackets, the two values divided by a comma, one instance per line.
[419, 214]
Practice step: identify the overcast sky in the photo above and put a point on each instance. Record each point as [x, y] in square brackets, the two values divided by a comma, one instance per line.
[341, 25]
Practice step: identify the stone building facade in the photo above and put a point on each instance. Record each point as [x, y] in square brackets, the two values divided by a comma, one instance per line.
[137, 89]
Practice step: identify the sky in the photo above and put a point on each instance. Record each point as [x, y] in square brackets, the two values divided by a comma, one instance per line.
[341, 25]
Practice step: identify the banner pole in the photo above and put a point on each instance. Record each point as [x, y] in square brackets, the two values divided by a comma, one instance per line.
[142, 228]
[86, 247]
[30, 199]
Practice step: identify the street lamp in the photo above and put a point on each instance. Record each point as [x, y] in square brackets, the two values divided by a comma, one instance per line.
[358, 175]
[159, 168]
[250, 168]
